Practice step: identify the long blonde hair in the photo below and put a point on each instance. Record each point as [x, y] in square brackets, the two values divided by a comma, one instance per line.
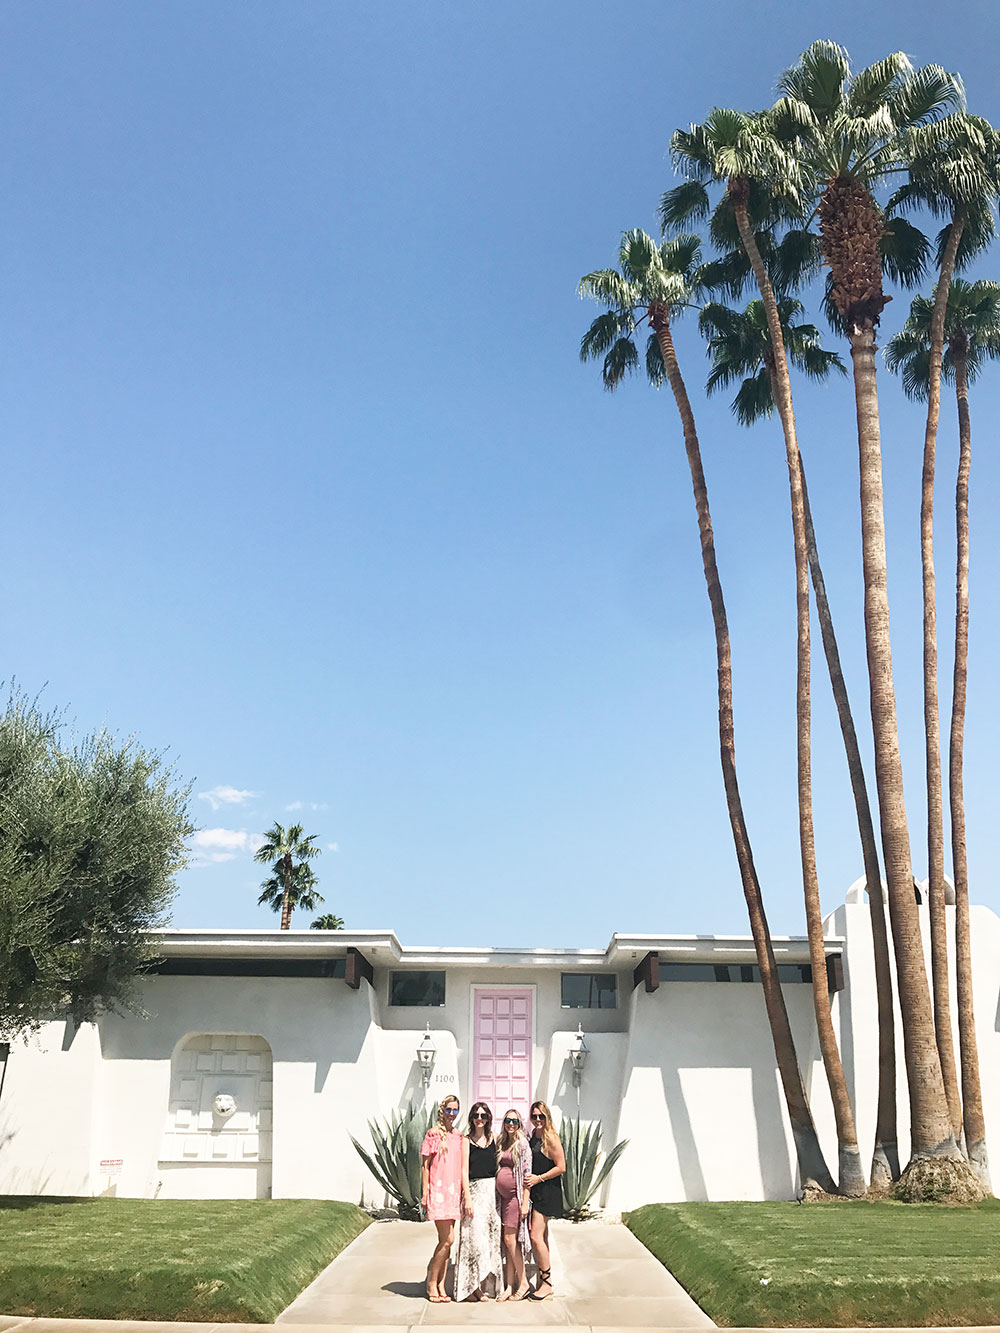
[445, 1124]
[549, 1136]
[507, 1140]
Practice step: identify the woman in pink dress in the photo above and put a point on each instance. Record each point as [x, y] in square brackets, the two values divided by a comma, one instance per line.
[514, 1202]
[441, 1191]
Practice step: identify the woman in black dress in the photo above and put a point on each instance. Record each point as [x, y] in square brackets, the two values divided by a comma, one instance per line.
[548, 1163]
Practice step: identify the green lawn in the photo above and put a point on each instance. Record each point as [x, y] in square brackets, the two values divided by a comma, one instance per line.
[223, 1260]
[830, 1264]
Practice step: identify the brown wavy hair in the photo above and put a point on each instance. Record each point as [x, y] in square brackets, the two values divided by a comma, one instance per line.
[481, 1106]
[549, 1136]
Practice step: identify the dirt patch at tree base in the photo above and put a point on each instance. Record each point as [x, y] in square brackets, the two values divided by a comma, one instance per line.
[939, 1180]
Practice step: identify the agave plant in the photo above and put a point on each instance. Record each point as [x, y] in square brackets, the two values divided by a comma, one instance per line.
[396, 1164]
[582, 1145]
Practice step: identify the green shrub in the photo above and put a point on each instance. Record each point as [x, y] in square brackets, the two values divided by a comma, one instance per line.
[582, 1145]
[396, 1165]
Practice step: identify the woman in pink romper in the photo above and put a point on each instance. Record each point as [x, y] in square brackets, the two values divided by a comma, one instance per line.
[441, 1191]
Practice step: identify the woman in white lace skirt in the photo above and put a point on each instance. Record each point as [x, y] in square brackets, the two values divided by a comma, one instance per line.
[478, 1275]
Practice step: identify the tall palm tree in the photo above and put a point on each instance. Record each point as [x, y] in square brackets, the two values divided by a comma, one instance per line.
[654, 284]
[293, 882]
[850, 135]
[952, 171]
[740, 348]
[972, 336]
[760, 211]
[742, 149]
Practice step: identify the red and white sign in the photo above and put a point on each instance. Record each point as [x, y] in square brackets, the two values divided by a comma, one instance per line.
[112, 1166]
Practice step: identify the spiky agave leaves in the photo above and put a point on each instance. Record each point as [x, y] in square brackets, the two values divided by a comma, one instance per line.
[396, 1165]
[582, 1179]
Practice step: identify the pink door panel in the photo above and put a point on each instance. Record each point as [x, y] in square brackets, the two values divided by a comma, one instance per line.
[501, 1056]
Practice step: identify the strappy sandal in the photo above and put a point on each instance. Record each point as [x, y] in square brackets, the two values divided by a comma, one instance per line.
[544, 1275]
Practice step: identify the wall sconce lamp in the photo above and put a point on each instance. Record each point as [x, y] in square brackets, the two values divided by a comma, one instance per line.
[426, 1055]
[578, 1056]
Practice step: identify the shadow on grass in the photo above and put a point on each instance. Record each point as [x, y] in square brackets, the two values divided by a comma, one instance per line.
[17, 1201]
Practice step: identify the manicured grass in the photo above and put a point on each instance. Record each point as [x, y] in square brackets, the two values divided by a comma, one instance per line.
[225, 1260]
[830, 1264]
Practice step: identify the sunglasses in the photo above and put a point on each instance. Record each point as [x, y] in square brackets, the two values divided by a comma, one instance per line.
[451, 1110]
[509, 1120]
[479, 1116]
[536, 1116]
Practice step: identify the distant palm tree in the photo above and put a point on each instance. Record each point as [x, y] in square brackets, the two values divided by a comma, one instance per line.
[293, 883]
[971, 334]
[328, 921]
[654, 284]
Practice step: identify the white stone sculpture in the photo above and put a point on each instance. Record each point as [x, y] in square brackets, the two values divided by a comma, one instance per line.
[224, 1105]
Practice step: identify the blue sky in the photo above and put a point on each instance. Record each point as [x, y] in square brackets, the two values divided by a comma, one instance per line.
[306, 485]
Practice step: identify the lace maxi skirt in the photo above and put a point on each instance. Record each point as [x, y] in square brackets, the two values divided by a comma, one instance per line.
[479, 1243]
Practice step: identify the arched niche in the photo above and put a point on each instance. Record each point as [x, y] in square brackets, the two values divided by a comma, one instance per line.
[218, 1131]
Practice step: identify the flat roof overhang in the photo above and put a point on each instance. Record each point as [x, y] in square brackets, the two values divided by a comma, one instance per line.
[383, 949]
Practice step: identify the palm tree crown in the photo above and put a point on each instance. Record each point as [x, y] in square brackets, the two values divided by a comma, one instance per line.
[739, 345]
[652, 280]
[293, 882]
[971, 330]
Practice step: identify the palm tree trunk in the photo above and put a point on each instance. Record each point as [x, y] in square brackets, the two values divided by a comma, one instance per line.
[885, 1158]
[972, 1095]
[931, 1134]
[851, 1172]
[932, 721]
[813, 1171]
[287, 875]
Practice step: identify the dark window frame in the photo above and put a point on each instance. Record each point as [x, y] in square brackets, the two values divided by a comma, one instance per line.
[397, 988]
[594, 993]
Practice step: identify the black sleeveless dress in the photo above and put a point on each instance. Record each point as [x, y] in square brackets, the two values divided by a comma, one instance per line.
[546, 1197]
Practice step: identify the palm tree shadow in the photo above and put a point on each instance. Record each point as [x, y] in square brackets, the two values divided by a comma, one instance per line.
[413, 1289]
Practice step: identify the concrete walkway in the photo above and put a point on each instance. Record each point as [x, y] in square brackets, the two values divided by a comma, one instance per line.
[603, 1278]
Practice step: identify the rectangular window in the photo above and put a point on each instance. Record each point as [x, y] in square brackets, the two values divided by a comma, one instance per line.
[412, 989]
[589, 990]
[787, 972]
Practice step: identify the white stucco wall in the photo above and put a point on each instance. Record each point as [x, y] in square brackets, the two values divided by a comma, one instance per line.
[686, 1073]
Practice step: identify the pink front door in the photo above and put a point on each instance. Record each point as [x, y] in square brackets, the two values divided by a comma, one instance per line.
[501, 1050]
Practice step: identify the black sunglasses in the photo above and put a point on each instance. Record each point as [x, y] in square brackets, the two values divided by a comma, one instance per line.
[509, 1120]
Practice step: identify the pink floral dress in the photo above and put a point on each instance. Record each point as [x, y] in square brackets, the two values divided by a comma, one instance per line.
[444, 1191]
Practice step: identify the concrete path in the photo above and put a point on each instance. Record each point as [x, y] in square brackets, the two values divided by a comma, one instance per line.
[603, 1278]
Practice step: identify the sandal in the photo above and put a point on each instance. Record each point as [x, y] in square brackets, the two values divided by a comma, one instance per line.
[544, 1277]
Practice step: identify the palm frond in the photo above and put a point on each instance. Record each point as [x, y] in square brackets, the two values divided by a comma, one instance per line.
[656, 371]
[905, 252]
[604, 332]
[927, 94]
[621, 361]
[685, 203]
[872, 86]
[817, 79]
[755, 399]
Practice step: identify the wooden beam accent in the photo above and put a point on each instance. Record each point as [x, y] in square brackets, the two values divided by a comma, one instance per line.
[648, 972]
[356, 967]
[834, 972]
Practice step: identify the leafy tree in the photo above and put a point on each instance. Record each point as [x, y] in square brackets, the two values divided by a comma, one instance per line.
[971, 335]
[293, 882]
[653, 285]
[850, 135]
[90, 838]
[328, 921]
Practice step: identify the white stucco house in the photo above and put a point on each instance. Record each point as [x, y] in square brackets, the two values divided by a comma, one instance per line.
[262, 1051]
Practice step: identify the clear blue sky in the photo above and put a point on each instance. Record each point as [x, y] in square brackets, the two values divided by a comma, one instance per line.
[305, 483]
